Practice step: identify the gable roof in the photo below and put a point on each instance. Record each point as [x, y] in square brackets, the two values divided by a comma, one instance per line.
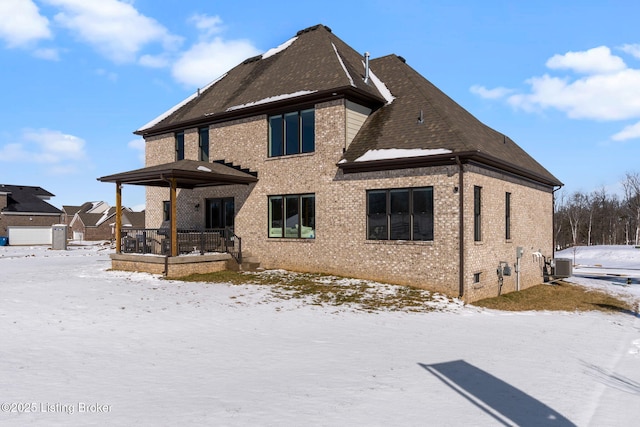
[431, 127]
[312, 65]
[87, 207]
[129, 218]
[27, 200]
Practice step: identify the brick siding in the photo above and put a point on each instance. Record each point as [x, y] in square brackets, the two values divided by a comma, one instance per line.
[340, 246]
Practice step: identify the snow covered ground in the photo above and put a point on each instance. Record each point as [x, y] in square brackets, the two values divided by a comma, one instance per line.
[614, 269]
[81, 345]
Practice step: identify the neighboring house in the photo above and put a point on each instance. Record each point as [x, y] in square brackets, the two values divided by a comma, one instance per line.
[25, 215]
[93, 226]
[364, 168]
[69, 213]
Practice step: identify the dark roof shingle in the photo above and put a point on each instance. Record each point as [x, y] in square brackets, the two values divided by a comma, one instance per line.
[444, 123]
[26, 199]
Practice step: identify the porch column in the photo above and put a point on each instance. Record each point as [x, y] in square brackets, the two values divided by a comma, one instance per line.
[118, 216]
[174, 219]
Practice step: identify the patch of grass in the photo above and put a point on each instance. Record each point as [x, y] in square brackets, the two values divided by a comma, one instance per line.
[326, 290]
[560, 296]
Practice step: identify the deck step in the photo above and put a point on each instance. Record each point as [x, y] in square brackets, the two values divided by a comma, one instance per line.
[249, 262]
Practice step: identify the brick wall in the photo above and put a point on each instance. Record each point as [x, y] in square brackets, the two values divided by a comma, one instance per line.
[340, 246]
[26, 220]
[531, 229]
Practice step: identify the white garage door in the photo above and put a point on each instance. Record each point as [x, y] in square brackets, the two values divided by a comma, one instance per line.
[29, 235]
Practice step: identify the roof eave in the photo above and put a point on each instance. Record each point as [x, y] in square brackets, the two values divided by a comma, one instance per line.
[349, 92]
[444, 160]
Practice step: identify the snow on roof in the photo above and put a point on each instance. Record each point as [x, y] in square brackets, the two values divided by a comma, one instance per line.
[179, 105]
[382, 88]
[343, 66]
[203, 169]
[105, 215]
[398, 153]
[278, 49]
[271, 99]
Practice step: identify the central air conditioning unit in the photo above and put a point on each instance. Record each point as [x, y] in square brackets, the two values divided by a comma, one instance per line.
[562, 268]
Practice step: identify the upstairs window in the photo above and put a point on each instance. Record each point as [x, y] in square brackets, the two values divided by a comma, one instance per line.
[179, 145]
[203, 144]
[292, 133]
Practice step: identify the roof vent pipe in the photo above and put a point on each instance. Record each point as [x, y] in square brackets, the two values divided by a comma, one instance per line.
[366, 67]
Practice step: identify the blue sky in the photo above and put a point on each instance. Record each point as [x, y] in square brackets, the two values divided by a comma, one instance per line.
[77, 77]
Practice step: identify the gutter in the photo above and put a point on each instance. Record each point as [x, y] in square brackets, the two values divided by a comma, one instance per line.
[448, 159]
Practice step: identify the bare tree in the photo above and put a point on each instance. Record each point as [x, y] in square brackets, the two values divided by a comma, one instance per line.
[575, 211]
[631, 185]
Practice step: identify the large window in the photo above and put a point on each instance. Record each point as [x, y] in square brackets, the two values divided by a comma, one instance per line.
[179, 145]
[292, 216]
[292, 133]
[507, 216]
[203, 143]
[477, 214]
[400, 214]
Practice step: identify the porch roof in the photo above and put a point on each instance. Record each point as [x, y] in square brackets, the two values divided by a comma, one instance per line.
[186, 173]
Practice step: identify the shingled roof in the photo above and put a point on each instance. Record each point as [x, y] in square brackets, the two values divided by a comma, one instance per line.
[312, 65]
[423, 118]
[27, 200]
[409, 112]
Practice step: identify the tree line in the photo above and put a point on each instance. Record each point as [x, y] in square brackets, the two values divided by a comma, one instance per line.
[599, 217]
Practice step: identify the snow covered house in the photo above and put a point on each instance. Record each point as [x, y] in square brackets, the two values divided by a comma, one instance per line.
[321, 159]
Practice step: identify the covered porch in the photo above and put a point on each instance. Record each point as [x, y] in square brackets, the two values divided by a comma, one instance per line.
[141, 249]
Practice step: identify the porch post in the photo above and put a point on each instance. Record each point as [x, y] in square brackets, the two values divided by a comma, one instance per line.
[174, 219]
[118, 216]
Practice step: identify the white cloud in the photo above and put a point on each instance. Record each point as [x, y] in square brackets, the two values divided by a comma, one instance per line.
[60, 152]
[139, 146]
[115, 28]
[21, 23]
[609, 90]
[207, 25]
[55, 146]
[495, 93]
[631, 49]
[629, 132]
[48, 53]
[597, 97]
[212, 56]
[154, 61]
[205, 61]
[110, 75]
[598, 60]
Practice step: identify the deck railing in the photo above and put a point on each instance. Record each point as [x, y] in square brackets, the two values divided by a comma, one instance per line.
[157, 241]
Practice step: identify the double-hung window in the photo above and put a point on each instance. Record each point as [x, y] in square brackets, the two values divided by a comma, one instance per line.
[292, 216]
[400, 214]
[292, 133]
[179, 145]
